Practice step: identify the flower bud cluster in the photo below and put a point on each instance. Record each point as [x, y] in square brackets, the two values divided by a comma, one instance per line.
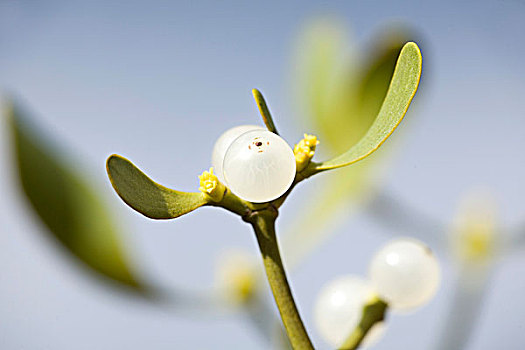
[211, 186]
[304, 151]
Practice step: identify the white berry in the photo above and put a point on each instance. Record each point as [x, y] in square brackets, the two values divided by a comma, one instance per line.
[222, 144]
[259, 166]
[339, 309]
[405, 273]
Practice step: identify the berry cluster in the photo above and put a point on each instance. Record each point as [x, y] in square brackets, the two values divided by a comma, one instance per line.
[404, 273]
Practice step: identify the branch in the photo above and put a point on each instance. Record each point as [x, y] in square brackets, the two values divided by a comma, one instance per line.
[373, 313]
[263, 223]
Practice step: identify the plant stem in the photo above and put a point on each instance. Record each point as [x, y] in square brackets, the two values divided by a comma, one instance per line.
[263, 223]
[373, 312]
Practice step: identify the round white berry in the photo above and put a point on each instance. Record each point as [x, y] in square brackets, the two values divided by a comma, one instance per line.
[339, 309]
[222, 144]
[405, 273]
[259, 166]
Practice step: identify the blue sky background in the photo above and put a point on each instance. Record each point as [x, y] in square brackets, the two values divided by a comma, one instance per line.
[159, 81]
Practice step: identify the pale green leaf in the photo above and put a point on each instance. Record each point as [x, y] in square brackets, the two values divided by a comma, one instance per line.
[325, 67]
[400, 93]
[67, 203]
[374, 82]
[146, 196]
[354, 106]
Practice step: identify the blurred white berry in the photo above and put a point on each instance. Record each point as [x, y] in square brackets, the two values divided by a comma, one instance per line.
[223, 142]
[339, 308]
[259, 166]
[405, 273]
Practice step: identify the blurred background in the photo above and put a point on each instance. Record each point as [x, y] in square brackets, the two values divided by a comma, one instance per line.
[159, 81]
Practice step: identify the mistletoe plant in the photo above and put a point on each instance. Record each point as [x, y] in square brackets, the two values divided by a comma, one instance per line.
[259, 170]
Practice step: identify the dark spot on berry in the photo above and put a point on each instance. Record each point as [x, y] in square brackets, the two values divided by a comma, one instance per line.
[258, 144]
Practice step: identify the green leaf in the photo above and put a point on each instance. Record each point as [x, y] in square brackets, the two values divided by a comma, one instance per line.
[400, 93]
[265, 112]
[379, 68]
[146, 196]
[67, 203]
[374, 82]
[352, 97]
[357, 114]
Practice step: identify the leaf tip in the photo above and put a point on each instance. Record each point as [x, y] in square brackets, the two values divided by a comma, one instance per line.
[411, 48]
[111, 159]
[411, 45]
[110, 169]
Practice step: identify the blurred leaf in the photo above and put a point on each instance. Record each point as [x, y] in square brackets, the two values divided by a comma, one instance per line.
[469, 295]
[341, 95]
[321, 214]
[352, 110]
[146, 196]
[390, 212]
[325, 70]
[357, 114]
[400, 93]
[374, 82]
[67, 204]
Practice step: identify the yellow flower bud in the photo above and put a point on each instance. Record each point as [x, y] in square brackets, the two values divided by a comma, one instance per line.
[311, 141]
[304, 151]
[211, 186]
[237, 276]
[475, 237]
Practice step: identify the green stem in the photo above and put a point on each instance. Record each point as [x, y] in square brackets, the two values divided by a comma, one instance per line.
[263, 223]
[373, 312]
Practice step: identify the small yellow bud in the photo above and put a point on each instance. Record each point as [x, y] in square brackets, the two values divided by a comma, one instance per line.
[301, 159]
[476, 242]
[211, 186]
[475, 236]
[311, 141]
[237, 276]
[304, 151]
[302, 148]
